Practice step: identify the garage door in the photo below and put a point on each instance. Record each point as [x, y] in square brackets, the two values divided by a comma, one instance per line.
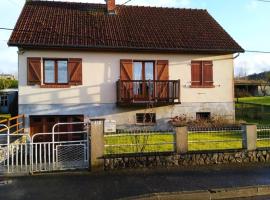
[44, 124]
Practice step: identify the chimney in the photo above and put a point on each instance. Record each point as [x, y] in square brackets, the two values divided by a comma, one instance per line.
[110, 6]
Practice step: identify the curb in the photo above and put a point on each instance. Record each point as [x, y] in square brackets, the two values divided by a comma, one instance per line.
[213, 194]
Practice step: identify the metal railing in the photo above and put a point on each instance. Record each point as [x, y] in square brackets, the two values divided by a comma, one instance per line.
[209, 139]
[159, 91]
[14, 152]
[263, 136]
[15, 125]
[136, 142]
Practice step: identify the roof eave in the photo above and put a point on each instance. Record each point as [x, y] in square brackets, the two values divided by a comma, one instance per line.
[111, 48]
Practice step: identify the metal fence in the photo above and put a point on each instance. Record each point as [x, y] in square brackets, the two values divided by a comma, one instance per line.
[263, 136]
[132, 142]
[208, 139]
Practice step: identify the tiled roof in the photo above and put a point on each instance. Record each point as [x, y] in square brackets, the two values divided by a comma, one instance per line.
[84, 25]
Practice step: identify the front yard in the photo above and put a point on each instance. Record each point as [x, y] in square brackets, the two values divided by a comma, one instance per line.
[163, 142]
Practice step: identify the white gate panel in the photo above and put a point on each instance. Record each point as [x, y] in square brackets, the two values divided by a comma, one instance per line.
[55, 155]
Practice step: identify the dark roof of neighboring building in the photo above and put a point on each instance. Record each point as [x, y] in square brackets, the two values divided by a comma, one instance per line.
[247, 82]
[47, 24]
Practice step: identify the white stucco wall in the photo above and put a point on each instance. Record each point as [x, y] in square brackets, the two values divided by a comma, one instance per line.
[102, 70]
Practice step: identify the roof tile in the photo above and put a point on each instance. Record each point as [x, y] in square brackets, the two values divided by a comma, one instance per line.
[86, 25]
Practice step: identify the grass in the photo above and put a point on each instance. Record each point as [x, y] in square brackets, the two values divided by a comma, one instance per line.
[136, 143]
[256, 100]
[197, 142]
[4, 116]
[253, 109]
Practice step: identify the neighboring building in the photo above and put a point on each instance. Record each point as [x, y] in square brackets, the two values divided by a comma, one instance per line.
[80, 60]
[244, 88]
[7, 76]
[9, 101]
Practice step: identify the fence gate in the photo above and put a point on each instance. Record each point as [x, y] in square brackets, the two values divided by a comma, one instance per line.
[60, 150]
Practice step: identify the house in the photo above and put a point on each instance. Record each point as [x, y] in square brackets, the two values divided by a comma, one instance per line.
[7, 76]
[9, 101]
[133, 64]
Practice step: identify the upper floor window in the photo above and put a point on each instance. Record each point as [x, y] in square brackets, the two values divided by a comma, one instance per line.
[202, 74]
[3, 100]
[55, 71]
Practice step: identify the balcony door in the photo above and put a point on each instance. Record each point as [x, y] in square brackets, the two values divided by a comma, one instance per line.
[143, 80]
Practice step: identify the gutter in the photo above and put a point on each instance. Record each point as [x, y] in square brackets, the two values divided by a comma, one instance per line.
[123, 48]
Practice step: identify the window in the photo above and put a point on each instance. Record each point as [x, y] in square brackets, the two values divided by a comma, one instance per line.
[203, 115]
[202, 74]
[146, 118]
[4, 100]
[143, 71]
[55, 71]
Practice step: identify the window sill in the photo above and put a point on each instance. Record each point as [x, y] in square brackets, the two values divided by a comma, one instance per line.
[145, 124]
[55, 86]
[202, 86]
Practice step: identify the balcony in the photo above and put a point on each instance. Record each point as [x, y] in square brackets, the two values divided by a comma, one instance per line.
[141, 93]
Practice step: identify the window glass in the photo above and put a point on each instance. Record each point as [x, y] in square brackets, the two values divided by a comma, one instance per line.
[137, 75]
[4, 100]
[149, 69]
[49, 70]
[137, 71]
[62, 71]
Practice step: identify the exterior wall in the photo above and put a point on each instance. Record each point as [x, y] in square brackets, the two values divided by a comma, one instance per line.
[12, 107]
[97, 96]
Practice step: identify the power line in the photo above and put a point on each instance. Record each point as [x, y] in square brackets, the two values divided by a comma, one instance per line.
[6, 29]
[256, 51]
[267, 1]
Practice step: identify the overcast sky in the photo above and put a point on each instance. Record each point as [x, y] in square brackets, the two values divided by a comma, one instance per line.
[247, 21]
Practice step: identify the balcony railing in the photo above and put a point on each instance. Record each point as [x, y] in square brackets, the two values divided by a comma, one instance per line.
[159, 92]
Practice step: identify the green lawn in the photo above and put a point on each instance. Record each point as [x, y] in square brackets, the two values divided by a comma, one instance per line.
[197, 142]
[137, 143]
[256, 100]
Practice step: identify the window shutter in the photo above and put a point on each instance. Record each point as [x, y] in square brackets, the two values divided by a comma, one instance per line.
[75, 71]
[207, 73]
[126, 74]
[162, 70]
[196, 73]
[34, 71]
[126, 69]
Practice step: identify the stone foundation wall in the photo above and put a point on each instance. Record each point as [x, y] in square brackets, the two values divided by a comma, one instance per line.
[191, 159]
[126, 117]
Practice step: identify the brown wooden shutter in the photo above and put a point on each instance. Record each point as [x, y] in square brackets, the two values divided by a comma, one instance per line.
[34, 71]
[207, 73]
[162, 70]
[126, 74]
[196, 73]
[126, 69]
[75, 71]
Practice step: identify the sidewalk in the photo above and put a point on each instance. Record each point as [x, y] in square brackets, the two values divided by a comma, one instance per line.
[124, 184]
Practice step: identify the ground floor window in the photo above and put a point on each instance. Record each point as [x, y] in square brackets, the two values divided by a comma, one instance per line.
[145, 118]
[203, 115]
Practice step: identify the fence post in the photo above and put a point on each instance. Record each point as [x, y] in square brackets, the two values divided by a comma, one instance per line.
[249, 136]
[181, 139]
[97, 145]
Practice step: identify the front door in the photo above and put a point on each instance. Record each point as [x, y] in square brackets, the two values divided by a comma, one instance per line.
[143, 77]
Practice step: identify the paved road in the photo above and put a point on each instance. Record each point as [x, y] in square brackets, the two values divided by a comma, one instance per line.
[114, 185]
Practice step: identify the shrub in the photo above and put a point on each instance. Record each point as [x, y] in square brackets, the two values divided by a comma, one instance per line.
[213, 122]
